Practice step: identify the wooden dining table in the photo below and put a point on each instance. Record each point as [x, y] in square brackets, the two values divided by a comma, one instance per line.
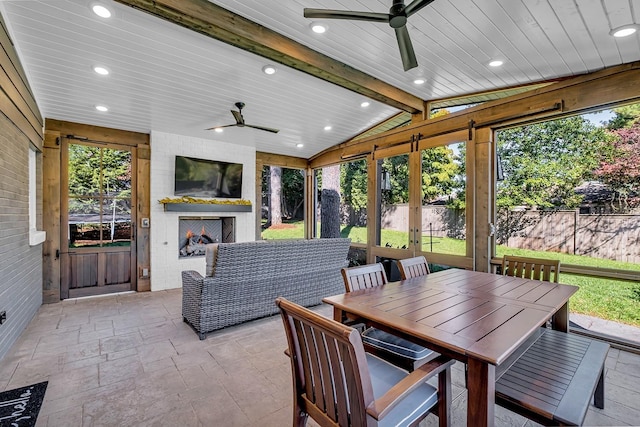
[474, 317]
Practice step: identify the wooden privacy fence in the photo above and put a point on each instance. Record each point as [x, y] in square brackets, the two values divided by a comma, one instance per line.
[607, 236]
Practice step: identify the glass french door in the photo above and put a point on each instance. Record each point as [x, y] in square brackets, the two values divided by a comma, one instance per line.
[97, 227]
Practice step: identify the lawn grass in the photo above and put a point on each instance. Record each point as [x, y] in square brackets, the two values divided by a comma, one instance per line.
[609, 299]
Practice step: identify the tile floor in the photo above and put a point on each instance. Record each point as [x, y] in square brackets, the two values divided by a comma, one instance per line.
[129, 360]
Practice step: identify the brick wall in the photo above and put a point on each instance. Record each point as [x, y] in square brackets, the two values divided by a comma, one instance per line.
[20, 263]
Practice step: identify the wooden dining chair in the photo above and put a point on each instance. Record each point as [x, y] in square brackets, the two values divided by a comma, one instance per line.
[531, 268]
[413, 267]
[392, 348]
[337, 384]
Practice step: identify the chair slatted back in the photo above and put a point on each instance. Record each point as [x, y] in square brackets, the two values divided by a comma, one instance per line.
[363, 277]
[531, 268]
[331, 377]
[413, 267]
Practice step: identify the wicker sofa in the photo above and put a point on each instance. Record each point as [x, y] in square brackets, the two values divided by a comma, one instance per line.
[243, 280]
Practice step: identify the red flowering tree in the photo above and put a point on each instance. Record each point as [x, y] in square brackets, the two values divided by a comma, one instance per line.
[620, 168]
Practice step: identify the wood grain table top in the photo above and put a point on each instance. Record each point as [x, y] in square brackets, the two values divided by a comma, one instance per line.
[463, 313]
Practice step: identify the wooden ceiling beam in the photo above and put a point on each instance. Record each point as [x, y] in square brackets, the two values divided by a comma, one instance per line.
[598, 90]
[221, 24]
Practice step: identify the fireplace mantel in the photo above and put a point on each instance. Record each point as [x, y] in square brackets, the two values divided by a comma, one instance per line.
[205, 207]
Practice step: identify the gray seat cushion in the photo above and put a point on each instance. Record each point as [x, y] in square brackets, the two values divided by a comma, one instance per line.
[394, 344]
[384, 376]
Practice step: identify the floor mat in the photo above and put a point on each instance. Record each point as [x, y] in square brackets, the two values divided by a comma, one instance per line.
[20, 407]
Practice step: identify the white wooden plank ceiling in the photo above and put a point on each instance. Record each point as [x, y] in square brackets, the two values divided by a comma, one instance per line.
[166, 78]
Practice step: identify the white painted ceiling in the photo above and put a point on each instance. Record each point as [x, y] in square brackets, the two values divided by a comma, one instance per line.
[167, 78]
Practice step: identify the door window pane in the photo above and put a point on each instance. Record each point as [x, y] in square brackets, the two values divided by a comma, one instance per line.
[394, 202]
[99, 196]
[443, 186]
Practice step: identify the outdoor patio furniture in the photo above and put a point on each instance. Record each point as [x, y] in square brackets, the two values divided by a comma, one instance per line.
[336, 383]
[553, 381]
[413, 267]
[397, 350]
[243, 279]
[531, 268]
[477, 318]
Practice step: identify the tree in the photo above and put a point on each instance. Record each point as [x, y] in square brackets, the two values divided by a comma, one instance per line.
[275, 201]
[292, 191]
[620, 168]
[398, 169]
[544, 162]
[95, 171]
[624, 117]
[439, 171]
[330, 202]
[353, 190]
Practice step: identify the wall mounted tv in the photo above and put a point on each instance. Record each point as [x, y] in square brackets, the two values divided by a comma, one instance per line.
[207, 178]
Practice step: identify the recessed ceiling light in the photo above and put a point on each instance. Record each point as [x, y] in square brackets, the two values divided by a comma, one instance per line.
[99, 69]
[496, 63]
[327, 127]
[365, 104]
[624, 31]
[318, 27]
[419, 81]
[219, 130]
[101, 10]
[299, 145]
[102, 108]
[269, 69]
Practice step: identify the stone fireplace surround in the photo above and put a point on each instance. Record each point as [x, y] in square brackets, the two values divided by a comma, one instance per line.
[166, 265]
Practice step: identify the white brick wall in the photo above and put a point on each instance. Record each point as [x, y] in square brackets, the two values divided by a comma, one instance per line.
[20, 264]
[166, 267]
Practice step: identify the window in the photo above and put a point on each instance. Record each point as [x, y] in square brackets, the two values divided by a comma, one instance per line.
[100, 195]
[35, 237]
[443, 186]
[394, 202]
[282, 203]
[568, 192]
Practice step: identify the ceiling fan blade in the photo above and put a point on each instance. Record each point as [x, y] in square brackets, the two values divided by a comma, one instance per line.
[416, 5]
[346, 14]
[238, 117]
[407, 53]
[225, 126]
[263, 128]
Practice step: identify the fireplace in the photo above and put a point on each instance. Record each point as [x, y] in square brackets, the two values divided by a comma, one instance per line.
[194, 233]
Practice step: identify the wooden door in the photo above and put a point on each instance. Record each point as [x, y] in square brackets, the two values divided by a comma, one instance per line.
[98, 222]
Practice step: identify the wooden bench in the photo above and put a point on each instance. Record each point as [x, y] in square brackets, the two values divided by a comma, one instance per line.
[553, 380]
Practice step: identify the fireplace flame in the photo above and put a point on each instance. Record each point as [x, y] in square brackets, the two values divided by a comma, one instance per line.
[189, 234]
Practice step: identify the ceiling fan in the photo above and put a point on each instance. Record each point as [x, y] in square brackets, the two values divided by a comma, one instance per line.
[240, 121]
[396, 18]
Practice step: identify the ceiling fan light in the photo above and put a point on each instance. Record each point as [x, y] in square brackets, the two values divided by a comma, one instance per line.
[318, 27]
[624, 31]
[219, 130]
[269, 69]
[101, 10]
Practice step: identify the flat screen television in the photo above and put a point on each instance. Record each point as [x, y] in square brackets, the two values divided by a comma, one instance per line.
[207, 178]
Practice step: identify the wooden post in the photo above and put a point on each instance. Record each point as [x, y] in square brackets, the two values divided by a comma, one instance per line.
[483, 199]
